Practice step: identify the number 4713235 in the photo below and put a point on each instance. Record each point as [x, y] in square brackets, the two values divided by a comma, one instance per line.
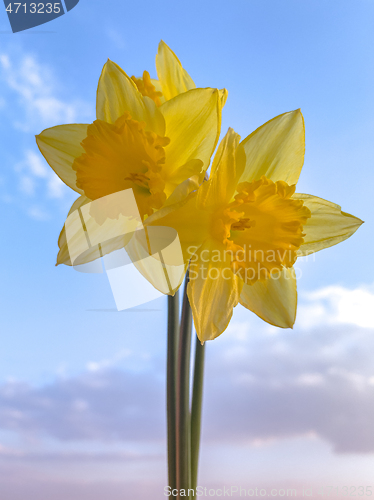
[34, 8]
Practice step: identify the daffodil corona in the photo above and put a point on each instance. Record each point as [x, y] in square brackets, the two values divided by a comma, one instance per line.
[243, 230]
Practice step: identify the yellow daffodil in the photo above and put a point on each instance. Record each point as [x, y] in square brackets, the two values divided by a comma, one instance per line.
[244, 228]
[141, 139]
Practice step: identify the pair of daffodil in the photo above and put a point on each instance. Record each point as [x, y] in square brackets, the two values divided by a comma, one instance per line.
[242, 229]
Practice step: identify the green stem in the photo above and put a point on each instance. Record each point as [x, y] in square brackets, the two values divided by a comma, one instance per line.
[197, 399]
[171, 385]
[183, 399]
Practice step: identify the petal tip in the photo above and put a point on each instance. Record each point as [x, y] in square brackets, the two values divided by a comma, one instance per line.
[285, 326]
[359, 221]
[109, 62]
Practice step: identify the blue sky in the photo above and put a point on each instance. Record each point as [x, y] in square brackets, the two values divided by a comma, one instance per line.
[81, 391]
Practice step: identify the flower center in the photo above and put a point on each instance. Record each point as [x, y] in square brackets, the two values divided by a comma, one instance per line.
[262, 228]
[146, 87]
[120, 156]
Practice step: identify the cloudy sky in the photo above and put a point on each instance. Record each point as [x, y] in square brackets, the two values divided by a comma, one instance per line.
[81, 385]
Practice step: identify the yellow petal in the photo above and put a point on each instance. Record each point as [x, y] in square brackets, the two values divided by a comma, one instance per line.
[223, 95]
[191, 169]
[165, 278]
[191, 223]
[276, 149]
[117, 93]
[96, 228]
[213, 290]
[63, 256]
[60, 146]
[156, 253]
[327, 226]
[193, 124]
[274, 300]
[183, 190]
[227, 167]
[173, 78]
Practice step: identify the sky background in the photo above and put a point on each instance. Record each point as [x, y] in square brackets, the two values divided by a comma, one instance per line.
[81, 390]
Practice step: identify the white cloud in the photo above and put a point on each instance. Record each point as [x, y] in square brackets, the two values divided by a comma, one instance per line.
[338, 305]
[36, 164]
[310, 379]
[38, 213]
[33, 99]
[5, 62]
[35, 173]
[104, 405]
[95, 366]
[55, 187]
[37, 91]
[261, 386]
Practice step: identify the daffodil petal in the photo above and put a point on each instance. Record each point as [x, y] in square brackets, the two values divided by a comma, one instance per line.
[327, 226]
[117, 93]
[166, 279]
[183, 190]
[60, 146]
[274, 300]
[157, 254]
[92, 229]
[190, 169]
[213, 290]
[173, 78]
[223, 95]
[191, 223]
[227, 167]
[276, 149]
[63, 256]
[193, 124]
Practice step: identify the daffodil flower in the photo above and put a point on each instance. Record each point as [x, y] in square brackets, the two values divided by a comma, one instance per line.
[137, 141]
[244, 228]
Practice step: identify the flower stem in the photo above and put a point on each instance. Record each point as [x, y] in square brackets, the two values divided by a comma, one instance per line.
[171, 385]
[183, 398]
[197, 399]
